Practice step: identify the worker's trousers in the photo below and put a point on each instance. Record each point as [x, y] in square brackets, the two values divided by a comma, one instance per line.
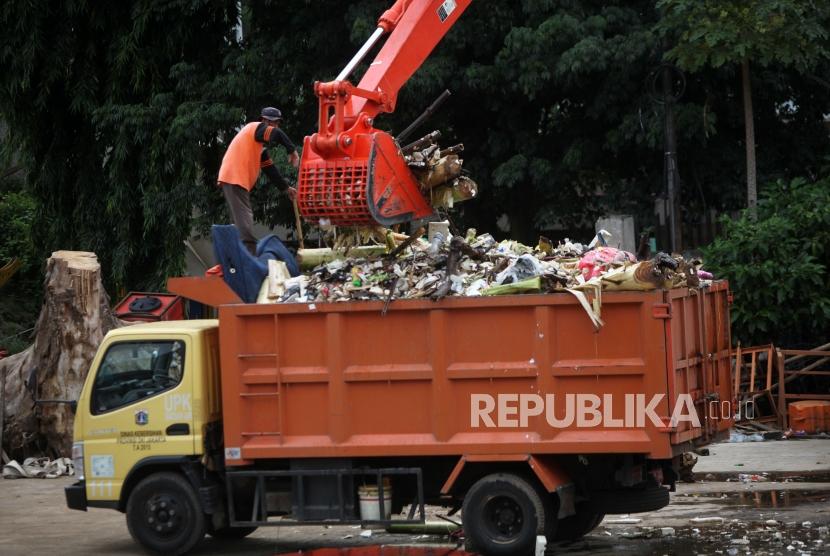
[239, 203]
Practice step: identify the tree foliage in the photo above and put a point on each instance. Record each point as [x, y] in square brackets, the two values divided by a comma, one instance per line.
[20, 296]
[17, 212]
[777, 265]
[716, 32]
[122, 110]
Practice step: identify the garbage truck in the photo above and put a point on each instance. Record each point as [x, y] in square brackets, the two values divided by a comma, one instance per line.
[514, 410]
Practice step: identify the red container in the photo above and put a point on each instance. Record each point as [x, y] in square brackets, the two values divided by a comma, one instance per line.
[150, 307]
[810, 416]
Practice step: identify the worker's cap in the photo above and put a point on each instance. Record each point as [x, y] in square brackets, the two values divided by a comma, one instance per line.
[272, 114]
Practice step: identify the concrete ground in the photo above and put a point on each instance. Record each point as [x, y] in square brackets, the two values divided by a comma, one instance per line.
[787, 516]
[809, 457]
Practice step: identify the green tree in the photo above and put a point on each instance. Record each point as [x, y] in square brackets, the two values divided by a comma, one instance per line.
[714, 33]
[20, 296]
[122, 112]
[777, 265]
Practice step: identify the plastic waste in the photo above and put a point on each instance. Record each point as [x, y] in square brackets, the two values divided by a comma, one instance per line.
[526, 266]
[435, 244]
[736, 436]
[593, 263]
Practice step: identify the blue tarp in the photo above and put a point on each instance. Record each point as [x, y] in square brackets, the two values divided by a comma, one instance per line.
[243, 272]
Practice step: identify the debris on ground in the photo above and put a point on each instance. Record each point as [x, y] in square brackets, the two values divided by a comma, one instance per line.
[625, 520]
[39, 468]
[444, 265]
[706, 519]
[737, 436]
[752, 477]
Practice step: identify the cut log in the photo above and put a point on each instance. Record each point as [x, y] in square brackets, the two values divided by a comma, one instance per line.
[443, 170]
[74, 318]
[462, 189]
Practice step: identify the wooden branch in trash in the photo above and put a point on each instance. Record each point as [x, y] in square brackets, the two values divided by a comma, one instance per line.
[452, 267]
[431, 109]
[445, 169]
[311, 258]
[462, 189]
[466, 249]
[422, 142]
[406, 243]
[531, 285]
[455, 149]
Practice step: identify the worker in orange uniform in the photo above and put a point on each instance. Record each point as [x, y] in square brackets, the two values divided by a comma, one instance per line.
[245, 157]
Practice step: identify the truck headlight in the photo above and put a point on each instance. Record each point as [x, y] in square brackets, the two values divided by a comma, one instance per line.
[78, 459]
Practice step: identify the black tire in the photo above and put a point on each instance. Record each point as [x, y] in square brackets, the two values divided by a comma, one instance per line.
[630, 500]
[576, 526]
[502, 515]
[164, 514]
[230, 533]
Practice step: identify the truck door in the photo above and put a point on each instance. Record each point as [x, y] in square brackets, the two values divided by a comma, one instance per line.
[140, 407]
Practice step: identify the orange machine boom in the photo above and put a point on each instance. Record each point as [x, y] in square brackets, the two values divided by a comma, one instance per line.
[352, 174]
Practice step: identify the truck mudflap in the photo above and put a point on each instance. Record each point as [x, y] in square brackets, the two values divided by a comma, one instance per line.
[76, 496]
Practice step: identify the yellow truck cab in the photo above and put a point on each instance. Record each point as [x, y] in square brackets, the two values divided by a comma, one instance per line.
[149, 405]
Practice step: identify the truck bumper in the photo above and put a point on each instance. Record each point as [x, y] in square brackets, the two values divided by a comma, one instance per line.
[76, 496]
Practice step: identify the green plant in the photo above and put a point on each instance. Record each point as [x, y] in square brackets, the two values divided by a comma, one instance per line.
[777, 266]
[17, 212]
[20, 297]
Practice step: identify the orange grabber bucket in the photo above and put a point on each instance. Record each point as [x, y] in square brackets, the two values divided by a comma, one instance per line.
[352, 174]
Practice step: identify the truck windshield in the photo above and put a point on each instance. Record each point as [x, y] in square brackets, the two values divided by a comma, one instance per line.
[133, 371]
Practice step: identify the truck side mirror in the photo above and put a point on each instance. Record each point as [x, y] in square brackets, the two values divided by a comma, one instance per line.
[73, 404]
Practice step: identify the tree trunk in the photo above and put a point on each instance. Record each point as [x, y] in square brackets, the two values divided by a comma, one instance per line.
[749, 124]
[73, 320]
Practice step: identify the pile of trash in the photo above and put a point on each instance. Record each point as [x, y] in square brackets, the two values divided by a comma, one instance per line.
[478, 265]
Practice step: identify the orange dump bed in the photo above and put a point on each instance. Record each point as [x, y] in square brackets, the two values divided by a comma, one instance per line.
[343, 380]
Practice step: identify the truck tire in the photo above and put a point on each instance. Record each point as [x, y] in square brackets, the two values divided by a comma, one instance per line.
[502, 515]
[164, 514]
[575, 527]
[630, 500]
[230, 533]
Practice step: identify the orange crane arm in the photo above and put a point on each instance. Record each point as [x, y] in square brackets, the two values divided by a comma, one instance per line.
[415, 27]
[352, 174]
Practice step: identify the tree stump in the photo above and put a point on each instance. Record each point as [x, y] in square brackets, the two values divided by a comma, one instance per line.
[74, 318]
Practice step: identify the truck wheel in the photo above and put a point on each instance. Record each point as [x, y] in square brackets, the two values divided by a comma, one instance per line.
[229, 533]
[502, 515]
[576, 526]
[164, 514]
